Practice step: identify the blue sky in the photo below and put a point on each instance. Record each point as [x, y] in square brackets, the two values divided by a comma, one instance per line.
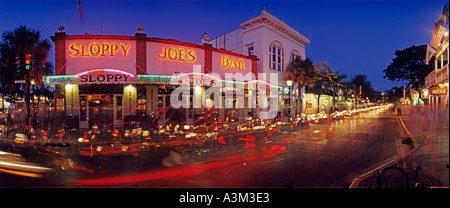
[355, 36]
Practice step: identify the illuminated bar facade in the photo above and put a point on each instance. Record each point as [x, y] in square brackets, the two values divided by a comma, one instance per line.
[109, 81]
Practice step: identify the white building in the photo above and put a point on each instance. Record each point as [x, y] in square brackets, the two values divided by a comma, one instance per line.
[267, 37]
[437, 82]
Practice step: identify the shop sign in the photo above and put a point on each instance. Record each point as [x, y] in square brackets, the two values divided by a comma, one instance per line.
[62, 79]
[232, 63]
[157, 79]
[286, 91]
[180, 54]
[438, 90]
[205, 81]
[96, 76]
[424, 93]
[99, 49]
[153, 79]
[105, 76]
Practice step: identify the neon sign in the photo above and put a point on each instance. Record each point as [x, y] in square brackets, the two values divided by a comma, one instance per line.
[232, 63]
[104, 76]
[110, 78]
[180, 54]
[98, 49]
[438, 90]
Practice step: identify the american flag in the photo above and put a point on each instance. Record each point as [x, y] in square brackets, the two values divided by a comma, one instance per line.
[437, 35]
[429, 54]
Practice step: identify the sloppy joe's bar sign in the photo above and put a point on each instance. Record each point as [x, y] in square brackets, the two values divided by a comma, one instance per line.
[114, 76]
[99, 49]
[85, 54]
[105, 76]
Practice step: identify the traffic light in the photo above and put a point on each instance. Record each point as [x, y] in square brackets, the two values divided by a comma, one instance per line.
[28, 61]
[18, 63]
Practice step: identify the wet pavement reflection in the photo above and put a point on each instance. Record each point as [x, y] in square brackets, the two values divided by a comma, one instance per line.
[316, 154]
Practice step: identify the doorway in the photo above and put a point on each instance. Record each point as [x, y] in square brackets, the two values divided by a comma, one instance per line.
[101, 110]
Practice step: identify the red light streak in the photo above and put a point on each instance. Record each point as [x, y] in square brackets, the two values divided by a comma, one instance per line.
[184, 171]
[277, 149]
[178, 172]
[288, 139]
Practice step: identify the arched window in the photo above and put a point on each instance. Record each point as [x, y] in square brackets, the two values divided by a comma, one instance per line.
[294, 54]
[276, 55]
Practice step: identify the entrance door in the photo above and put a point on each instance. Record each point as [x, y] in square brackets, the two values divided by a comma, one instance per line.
[101, 110]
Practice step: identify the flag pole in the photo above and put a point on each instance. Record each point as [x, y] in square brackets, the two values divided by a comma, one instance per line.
[78, 17]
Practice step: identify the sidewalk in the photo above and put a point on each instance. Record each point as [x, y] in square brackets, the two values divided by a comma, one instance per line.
[428, 129]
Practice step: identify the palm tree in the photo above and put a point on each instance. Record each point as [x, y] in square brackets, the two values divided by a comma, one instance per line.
[302, 72]
[361, 81]
[18, 43]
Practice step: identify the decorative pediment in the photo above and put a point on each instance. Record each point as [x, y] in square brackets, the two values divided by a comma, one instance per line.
[277, 24]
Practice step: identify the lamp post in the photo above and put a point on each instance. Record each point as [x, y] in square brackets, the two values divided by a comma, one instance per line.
[289, 84]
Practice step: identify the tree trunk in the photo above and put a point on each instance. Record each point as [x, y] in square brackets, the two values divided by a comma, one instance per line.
[333, 101]
[318, 103]
[299, 100]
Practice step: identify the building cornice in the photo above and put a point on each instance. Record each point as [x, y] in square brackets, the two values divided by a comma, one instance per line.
[277, 24]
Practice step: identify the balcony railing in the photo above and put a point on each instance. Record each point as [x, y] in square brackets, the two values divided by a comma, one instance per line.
[442, 74]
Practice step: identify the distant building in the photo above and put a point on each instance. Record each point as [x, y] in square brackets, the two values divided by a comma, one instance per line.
[273, 41]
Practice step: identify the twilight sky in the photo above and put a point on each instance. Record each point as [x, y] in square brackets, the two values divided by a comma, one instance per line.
[355, 36]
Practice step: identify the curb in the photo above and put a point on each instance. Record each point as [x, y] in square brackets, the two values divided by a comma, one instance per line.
[391, 161]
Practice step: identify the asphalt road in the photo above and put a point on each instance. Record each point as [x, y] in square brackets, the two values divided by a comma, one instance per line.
[321, 155]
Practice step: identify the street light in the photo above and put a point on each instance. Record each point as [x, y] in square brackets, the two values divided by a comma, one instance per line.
[289, 84]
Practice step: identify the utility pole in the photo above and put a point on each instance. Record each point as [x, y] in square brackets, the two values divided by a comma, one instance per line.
[24, 64]
[28, 67]
[27, 99]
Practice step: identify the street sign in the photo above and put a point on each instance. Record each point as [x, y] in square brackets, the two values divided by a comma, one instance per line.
[19, 81]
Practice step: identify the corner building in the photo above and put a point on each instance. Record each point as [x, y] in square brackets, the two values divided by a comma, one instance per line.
[111, 81]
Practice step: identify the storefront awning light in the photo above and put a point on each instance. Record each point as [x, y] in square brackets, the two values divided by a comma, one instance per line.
[205, 79]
